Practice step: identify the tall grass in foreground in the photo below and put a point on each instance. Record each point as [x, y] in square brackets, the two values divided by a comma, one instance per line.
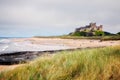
[91, 64]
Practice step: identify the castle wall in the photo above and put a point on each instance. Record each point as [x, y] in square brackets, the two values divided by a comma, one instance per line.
[91, 27]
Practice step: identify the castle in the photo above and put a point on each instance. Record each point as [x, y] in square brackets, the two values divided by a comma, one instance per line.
[89, 28]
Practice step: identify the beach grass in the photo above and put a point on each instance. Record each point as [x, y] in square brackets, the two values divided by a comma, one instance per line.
[107, 38]
[102, 38]
[88, 64]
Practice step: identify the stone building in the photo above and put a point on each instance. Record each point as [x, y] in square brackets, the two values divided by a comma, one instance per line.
[89, 28]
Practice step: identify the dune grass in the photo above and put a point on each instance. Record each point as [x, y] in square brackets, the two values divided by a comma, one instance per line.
[90, 64]
[107, 38]
[103, 38]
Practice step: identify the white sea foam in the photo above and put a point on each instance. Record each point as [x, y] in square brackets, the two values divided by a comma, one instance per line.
[4, 44]
[4, 48]
[4, 41]
[12, 46]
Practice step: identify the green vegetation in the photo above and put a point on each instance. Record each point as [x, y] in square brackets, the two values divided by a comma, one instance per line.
[94, 33]
[80, 37]
[108, 33]
[83, 33]
[102, 38]
[79, 33]
[118, 33]
[99, 33]
[106, 38]
[89, 64]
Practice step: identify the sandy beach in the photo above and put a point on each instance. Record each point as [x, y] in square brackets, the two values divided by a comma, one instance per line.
[70, 43]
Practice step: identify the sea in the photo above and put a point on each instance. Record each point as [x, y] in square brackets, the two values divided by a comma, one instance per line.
[8, 45]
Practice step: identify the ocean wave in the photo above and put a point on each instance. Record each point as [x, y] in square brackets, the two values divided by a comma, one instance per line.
[4, 41]
[3, 47]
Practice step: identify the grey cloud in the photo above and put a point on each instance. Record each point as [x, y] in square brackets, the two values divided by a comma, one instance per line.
[58, 14]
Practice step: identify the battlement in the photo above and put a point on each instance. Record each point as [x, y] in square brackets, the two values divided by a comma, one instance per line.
[90, 28]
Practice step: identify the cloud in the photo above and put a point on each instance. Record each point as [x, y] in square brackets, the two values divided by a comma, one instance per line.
[62, 16]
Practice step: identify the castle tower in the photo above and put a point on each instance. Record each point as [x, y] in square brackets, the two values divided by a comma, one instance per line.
[93, 26]
[100, 27]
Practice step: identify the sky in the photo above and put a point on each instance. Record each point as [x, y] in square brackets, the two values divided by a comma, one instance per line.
[26, 18]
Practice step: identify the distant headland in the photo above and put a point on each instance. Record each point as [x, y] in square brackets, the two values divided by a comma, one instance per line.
[91, 30]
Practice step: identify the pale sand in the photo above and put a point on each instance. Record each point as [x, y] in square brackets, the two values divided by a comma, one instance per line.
[72, 43]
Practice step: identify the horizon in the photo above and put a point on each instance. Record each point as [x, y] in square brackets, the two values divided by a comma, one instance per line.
[27, 18]
[39, 35]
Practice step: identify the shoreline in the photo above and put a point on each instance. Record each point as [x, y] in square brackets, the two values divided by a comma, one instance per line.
[26, 56]
[34, 47]
[14, 64]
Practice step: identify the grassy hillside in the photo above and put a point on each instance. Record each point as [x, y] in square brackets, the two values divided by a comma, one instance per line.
[103, 38]
[91, 64]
